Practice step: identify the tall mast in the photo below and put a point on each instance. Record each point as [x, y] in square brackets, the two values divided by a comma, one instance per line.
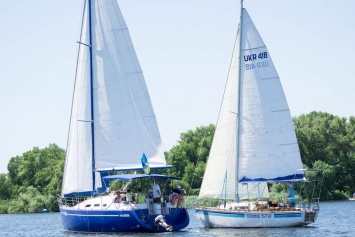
[91, 101]
[239, 96]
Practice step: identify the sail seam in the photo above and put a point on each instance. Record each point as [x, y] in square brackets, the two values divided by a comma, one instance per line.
[289, 144]
[254, 48]
[280, 110]
[269, 78]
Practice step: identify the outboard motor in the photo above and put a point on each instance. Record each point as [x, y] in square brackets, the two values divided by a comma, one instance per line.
[160, 221]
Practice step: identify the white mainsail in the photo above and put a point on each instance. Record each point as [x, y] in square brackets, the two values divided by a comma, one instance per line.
[267, 148]
[123, 119]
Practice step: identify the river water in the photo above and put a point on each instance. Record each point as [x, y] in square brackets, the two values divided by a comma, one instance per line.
[335, 219]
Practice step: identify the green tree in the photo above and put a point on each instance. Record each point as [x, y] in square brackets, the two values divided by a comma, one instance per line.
[329, 139]
[350, 162]
[40, 169]
[13, 168]
[31, 201]
[194, 174]
[189, 157]
[5, 187]
[320, 135]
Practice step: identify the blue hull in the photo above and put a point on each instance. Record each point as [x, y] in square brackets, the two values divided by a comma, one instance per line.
[120, 220]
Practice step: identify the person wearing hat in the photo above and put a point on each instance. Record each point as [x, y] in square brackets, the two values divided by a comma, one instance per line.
[182, 191]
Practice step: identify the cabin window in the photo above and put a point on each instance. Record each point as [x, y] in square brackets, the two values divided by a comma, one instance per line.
[96, 205]
[105, 205]
[88, 205]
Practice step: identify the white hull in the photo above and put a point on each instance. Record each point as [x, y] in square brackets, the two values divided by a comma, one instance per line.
[249, 219]
[254, 143]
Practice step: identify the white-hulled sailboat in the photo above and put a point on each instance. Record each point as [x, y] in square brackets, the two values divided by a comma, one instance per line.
[112, 125]
[254, 143]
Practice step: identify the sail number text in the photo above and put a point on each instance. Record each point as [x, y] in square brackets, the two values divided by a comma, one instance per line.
[255, 61]
[258, 215]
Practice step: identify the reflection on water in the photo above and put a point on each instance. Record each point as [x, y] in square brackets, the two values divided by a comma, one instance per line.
[335, 219]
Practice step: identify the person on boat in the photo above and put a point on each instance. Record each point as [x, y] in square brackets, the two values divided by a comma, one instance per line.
[128, 196]
[291, 196]
[118, 197]
[140, 196]
[237, 199]
[156, 192]
[176, 196]
[182, 191]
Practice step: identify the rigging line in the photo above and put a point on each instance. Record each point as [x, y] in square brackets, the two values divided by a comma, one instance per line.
[129, 182]
[84, 44]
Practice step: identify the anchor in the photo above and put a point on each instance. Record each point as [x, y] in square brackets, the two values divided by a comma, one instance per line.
[160, 221]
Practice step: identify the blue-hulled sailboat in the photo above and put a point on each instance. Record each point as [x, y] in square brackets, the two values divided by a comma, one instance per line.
[112, 125]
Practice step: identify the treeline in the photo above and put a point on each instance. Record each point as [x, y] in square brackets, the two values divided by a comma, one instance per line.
[33, 181]
[326, 141]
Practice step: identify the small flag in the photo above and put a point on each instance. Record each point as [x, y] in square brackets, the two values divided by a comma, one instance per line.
[145, 164]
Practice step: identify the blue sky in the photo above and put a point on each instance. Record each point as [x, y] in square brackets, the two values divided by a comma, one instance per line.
[184, 48]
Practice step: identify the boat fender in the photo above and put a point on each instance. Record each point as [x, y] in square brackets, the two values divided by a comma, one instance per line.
[160, 221]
